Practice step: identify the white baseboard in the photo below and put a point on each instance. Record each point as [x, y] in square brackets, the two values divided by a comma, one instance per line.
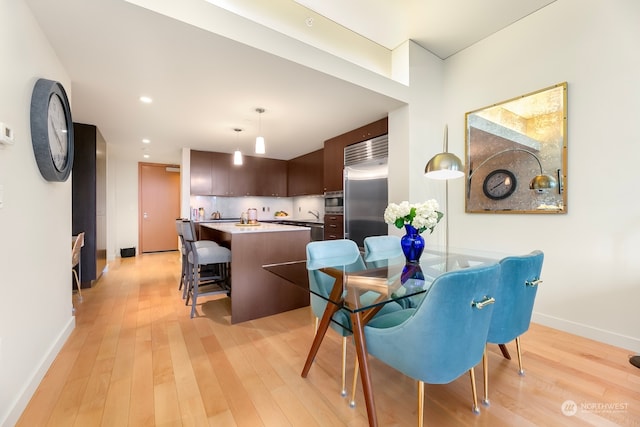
[22, 398]
[586, 331]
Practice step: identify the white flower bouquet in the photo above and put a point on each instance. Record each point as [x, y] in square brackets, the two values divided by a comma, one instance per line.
[421, 216]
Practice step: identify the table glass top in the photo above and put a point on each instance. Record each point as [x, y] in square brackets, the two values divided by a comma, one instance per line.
[386, 276]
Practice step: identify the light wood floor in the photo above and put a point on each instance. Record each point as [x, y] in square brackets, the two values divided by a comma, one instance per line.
[137, 359]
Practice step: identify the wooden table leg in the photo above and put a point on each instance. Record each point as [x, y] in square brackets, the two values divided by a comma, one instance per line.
[329, 311]
[317, 340]
[365, 377]
[505, 351]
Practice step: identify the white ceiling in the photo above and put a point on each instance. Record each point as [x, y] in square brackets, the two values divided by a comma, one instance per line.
[204, 85]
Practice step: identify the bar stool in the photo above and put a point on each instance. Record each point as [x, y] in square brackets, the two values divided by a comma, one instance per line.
[207, 267]
[183, 251]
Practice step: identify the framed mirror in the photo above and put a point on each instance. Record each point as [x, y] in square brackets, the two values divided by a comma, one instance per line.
[516, 154]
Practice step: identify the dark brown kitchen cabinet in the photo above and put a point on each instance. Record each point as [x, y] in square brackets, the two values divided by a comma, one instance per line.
[214, 174]
[210, 173]
[305, 174]
[221, 164]
[334, 151]
[333, 227]
[242, 178]
[89, 200]
[270, 177]
[201, 172]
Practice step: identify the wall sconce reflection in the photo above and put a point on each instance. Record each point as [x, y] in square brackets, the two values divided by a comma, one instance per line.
[501, 183]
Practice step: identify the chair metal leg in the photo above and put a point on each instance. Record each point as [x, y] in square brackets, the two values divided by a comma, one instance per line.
[343, 390]
[354, 385]
[474, 393]
[520, 371]
[186, 292]
[420, 403]
[194, 290]
[183, 275]
[485, 372]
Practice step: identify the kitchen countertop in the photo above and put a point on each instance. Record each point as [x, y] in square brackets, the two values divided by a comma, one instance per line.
[311, 221]
[262, 227]
[300, 220]
[217, 220]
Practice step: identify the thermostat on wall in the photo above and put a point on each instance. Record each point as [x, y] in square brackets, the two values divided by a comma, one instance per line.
[6, 134]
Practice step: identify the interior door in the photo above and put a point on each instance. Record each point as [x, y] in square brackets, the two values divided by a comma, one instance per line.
[159, 206]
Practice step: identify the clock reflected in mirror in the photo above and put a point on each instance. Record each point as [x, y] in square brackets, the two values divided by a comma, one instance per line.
[516, 154]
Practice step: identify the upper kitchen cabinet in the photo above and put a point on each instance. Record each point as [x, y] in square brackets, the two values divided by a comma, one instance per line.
[221, 165]
[305, 174]
[334, 151]
[271, 177]
[242, 178]
[213, 174]
[210, 173]
[201, 178]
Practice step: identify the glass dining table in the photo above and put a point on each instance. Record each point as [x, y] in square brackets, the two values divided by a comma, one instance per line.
[389, 279]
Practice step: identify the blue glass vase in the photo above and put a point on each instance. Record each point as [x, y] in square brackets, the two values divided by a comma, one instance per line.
[412, 244]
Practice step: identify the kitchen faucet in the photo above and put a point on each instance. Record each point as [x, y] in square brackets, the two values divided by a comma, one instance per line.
[316, 214]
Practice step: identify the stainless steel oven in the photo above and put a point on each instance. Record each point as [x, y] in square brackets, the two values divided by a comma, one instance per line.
[334, 202]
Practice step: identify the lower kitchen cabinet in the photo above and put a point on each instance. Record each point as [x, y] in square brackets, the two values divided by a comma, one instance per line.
[333, 227]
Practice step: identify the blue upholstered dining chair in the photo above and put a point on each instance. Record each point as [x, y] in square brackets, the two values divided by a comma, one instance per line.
[342, 253]
[515, 295]
[444, 336]
[378, 249]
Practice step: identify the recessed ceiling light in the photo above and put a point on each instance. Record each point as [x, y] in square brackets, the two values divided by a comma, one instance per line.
[146, 156]
[146, 141]
[146, 99]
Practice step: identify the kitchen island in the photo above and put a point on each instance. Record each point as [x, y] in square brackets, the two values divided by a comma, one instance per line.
[256, 292]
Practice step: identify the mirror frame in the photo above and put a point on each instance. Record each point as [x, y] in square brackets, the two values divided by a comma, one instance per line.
[509, 143]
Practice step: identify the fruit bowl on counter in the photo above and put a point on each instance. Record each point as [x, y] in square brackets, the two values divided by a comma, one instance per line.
[281, 215]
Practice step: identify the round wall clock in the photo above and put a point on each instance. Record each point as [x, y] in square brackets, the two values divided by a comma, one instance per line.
[51, 130]
[499, 184]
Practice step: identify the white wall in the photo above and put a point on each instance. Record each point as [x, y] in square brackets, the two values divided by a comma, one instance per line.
[591, 271]
[35, 223]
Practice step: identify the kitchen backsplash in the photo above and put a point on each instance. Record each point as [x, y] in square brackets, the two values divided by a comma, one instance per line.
[231, 207]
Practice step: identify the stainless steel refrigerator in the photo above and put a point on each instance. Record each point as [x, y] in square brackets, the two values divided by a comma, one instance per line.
[365, 189]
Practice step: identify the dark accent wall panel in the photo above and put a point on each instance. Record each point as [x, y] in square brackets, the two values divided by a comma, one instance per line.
[89, 199]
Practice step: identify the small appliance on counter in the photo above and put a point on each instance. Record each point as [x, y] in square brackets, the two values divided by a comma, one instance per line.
[252, 215]
[216, 215]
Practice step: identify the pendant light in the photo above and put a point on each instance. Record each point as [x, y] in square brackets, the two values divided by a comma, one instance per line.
[237, 155]
[260, 149]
